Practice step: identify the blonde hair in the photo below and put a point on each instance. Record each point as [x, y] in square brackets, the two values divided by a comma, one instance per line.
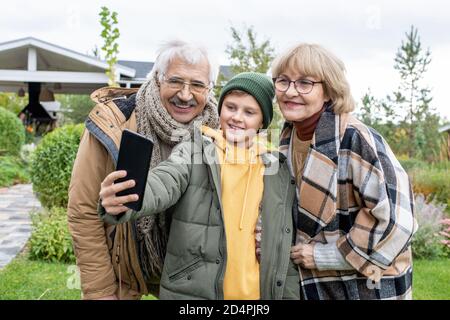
[316, 61]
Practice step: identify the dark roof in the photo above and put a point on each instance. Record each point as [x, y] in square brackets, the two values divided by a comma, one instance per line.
[142, 68]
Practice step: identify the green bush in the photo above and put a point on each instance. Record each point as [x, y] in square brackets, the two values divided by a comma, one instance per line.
[51, 165]
[410, 164]
[445, 233]
[12, 133]
[12, 102]
[12, 170]
[26, 152]
[50, 239]
[427, 242]
[433, 182]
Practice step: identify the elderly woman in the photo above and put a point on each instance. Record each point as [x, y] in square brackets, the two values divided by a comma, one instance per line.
[354, 216]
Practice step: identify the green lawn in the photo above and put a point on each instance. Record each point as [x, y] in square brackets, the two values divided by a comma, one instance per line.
[431, 279]
[23, 279]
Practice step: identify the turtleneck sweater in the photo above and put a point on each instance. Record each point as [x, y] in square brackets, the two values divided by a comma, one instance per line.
[305, 128]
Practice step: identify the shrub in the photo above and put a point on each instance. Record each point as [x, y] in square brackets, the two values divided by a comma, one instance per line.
[26, 151]
[50, 239]
[12, 135]
[410, 164]
[12, 170]
[445, 233]
[12, 102]
[427, 241]
[433, 182]
[51, 165]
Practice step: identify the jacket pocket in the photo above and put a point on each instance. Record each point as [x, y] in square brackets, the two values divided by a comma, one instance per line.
[181, 272]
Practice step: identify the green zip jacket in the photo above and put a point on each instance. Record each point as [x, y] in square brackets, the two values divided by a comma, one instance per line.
[188, 185]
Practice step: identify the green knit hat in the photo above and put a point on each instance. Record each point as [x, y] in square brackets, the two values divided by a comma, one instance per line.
[259, 86]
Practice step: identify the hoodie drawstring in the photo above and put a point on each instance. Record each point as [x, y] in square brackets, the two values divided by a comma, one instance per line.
[222, 169]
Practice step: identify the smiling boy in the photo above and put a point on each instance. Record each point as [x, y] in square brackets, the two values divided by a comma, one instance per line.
[216, 204]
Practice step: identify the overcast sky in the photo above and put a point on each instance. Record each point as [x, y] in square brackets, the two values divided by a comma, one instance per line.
[364, 34]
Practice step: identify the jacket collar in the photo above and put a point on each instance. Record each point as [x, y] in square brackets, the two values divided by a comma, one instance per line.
[268, 157]
[327, 136]
[105, 94]
[112, 114]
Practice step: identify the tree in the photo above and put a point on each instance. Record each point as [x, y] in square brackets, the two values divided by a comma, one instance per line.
[12, 102]
[370, 111]
[110, 34]
[413, 99]
[247, 54]
[380, 115]
[75, 107]
[405, 117]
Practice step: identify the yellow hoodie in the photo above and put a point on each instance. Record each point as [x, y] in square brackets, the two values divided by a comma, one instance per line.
[242, 189]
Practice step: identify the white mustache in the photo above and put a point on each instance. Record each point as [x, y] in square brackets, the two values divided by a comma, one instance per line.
[178, 102]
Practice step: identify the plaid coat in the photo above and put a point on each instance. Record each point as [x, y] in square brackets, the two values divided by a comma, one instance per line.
[354, 192]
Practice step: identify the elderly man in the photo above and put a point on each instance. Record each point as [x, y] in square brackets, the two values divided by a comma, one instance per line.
[125, 261]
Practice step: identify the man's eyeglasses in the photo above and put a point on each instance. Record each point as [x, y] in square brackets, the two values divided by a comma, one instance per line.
[194, 86]
[303, 86]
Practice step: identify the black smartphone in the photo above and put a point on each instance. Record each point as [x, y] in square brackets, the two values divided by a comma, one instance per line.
[135, 154]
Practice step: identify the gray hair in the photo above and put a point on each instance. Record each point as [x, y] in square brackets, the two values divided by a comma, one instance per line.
[190, 53]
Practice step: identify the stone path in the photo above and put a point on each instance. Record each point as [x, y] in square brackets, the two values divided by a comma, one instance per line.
[15, 224]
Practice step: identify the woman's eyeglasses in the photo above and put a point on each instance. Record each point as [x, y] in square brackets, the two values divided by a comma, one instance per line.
[303, 86]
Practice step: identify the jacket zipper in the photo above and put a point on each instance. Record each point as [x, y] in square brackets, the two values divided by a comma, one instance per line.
[117, 98]
[120, 271]
[279, 249]
[279, 245]
[184, 271]
[108, 99]
[222, 248]
[290, 197]
[219, 293]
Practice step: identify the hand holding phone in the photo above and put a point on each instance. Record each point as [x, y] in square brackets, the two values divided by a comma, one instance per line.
[134, 157]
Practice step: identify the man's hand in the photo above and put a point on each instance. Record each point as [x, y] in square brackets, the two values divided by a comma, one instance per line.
[303, 254]
[113, 204]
